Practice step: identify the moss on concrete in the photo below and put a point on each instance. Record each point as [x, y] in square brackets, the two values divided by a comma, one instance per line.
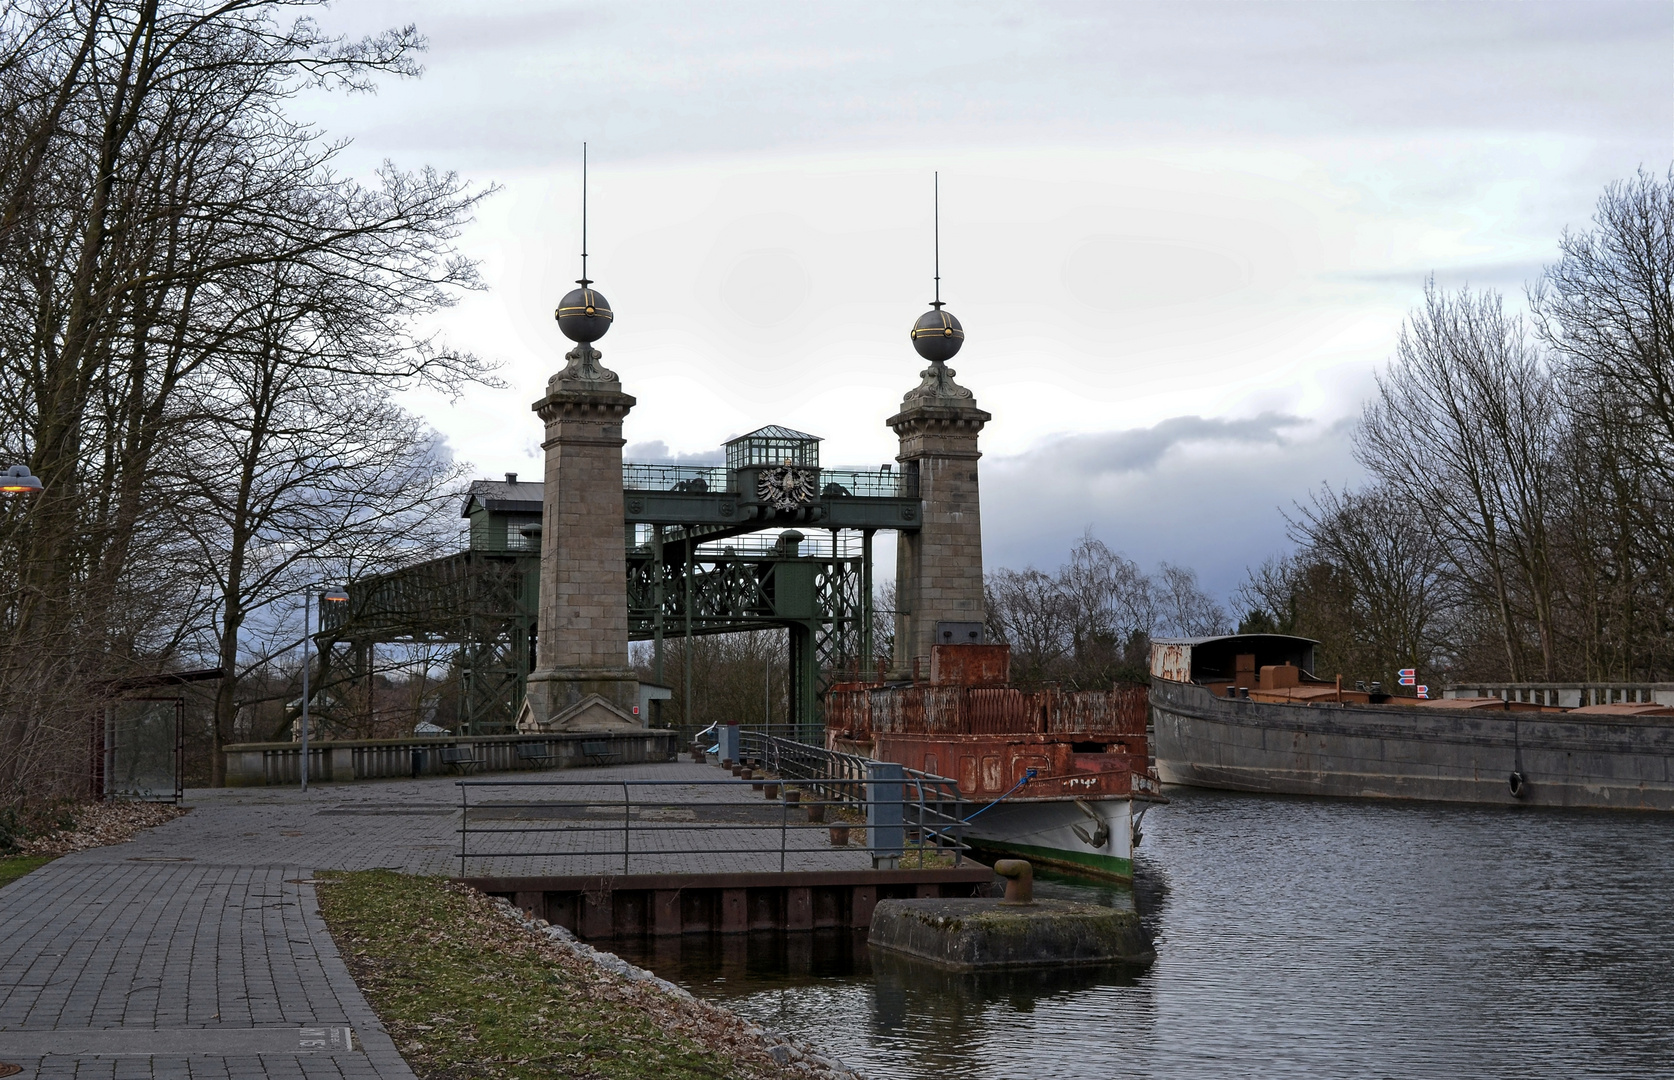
[974, 934]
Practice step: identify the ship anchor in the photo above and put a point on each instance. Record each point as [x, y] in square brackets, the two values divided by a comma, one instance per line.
[1101, 829]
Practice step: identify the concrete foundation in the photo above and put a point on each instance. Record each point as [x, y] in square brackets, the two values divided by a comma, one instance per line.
[978, 935]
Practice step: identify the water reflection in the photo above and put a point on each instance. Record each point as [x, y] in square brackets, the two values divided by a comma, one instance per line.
[1295, 938]
[892, 1016]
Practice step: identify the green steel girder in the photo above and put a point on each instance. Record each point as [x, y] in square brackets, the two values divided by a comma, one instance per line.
[683, 509]
[821, 600]
[483, 602]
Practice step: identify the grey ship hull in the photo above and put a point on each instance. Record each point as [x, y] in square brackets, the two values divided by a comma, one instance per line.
[1399, 752]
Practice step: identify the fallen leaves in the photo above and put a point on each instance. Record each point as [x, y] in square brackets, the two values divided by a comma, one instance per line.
[101, 824]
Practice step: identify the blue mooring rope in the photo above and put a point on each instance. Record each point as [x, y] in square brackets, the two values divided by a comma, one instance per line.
[1028, 774]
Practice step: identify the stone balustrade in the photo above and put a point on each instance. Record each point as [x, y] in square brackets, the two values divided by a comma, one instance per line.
[340, 760]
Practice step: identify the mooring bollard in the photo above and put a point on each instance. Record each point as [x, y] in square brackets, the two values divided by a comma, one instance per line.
[1020, 881]
[793, 797]
[840, 835]
[816, 812]
[770, 791]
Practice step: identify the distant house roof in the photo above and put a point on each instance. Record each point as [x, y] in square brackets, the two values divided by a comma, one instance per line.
[509, 496]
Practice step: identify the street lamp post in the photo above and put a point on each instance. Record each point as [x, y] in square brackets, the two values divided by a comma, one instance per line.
[335, 596]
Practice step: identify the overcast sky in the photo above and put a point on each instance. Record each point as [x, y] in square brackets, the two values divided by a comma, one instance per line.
[1181, 237]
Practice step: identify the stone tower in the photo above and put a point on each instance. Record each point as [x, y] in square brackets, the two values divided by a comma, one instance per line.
[582, 681]
[938, 575]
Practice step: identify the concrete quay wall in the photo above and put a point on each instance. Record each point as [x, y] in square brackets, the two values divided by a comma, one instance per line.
[663, 905]
[342, 760]
[1399, 752]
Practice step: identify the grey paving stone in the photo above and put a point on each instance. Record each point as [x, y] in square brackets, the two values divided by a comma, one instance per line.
[210, 922]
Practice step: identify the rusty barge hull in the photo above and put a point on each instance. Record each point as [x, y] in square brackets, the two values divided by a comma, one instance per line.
[1075, 787]
[1398, 752]
[1050, 774]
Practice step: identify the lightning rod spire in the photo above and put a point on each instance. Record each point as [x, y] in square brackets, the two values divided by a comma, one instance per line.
[584, 315]
[936, 196]
[584, 280]
[937, 335]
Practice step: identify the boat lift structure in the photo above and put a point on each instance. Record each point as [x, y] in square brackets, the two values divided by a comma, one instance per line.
[710, 550]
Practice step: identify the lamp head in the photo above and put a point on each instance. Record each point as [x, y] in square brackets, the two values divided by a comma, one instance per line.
[335, 596]
[18, 480]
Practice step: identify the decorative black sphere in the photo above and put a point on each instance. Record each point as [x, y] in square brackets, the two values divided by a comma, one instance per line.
[584, 315]
[937, 335]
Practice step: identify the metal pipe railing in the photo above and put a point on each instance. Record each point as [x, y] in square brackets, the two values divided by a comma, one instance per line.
[816, 766]
[482, 829]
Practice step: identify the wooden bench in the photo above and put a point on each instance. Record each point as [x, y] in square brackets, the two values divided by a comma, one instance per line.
[535, 753]
[599, 751]
[461, 759]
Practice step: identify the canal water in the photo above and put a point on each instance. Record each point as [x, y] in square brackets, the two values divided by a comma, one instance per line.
[1295, 938]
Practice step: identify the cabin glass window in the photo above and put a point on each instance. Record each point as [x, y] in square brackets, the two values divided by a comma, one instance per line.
[515, 538]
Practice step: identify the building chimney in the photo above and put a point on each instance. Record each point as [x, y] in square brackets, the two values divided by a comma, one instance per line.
[511, 478]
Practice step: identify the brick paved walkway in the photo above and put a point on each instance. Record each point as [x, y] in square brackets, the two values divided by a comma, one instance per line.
[197, 950]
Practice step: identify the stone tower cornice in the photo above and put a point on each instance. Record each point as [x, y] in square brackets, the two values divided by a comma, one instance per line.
[598, 405]
[940, 430]
[584, 372]
[936, 387]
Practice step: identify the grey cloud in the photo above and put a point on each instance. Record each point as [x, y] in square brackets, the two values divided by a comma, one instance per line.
[1216, 510]
[1508, 276]
[656, 451]
[653, 80]
[1140, 449]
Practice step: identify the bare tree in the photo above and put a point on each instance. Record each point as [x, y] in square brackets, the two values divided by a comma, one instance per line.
[1517, 524]
[149, 171]
[1186, 610]
[736, 678]
[1606, 309]
[1386, 577]
[1028, 611]
[1090, 624]
[1463, 432]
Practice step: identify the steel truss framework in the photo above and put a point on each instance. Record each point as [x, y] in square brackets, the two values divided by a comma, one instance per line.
[683, 579]
[822, 600]
[481, 602]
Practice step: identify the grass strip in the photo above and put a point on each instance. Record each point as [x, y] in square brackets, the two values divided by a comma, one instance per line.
[467, 993]
[15, 866]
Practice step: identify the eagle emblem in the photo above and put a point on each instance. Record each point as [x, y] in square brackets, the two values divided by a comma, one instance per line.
[785, 487]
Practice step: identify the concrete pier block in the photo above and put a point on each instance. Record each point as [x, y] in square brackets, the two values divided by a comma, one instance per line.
[982, 934]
